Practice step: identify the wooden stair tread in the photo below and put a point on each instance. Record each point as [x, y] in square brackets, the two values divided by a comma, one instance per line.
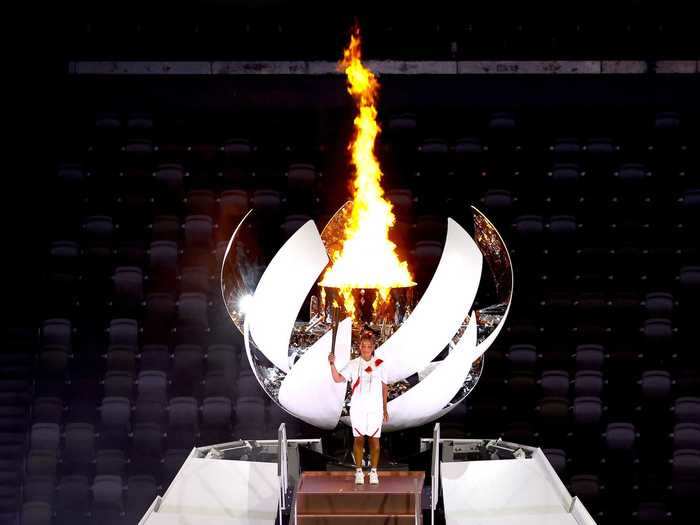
[356, 515]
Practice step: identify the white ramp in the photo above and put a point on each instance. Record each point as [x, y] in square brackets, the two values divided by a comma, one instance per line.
[219, 492]
[507, 491]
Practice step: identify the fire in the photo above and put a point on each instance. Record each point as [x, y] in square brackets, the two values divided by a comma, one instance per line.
[367, 258]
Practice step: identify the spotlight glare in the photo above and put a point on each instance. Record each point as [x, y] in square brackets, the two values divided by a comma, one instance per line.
[245, 304]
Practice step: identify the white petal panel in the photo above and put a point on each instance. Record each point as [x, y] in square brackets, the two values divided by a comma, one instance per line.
[281, 292]
[426, 399]
[477, 351]
[308, 391]
[440, 311]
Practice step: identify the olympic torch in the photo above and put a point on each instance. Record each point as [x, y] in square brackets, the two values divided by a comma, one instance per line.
[334, 326]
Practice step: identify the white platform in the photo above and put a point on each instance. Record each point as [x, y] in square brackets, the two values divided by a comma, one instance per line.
[219, 492]
[509, 491]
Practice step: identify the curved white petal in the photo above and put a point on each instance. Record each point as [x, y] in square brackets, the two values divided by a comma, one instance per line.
[442, 309]
[476, 352]
[424, 401]
[308, 390]
[281, 292]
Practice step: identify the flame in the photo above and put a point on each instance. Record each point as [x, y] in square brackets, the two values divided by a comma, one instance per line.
[367, 258]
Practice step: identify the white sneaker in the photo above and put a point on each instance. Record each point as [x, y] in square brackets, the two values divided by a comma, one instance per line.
[373, 476]
[359, 477]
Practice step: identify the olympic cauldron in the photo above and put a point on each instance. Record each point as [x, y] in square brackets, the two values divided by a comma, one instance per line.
[433, 345]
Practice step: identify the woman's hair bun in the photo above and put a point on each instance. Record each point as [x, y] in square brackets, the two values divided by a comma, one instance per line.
[367, 334]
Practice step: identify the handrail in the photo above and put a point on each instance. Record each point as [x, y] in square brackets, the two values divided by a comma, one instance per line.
[435, 472]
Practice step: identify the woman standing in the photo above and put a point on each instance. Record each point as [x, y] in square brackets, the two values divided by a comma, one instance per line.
[367, 403]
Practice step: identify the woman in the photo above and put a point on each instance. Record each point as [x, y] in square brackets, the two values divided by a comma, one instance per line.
[367, 403]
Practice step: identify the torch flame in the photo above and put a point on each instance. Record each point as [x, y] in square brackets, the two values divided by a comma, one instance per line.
[367, 258]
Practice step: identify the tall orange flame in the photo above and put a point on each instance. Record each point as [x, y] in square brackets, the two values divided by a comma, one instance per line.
[367, 258]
